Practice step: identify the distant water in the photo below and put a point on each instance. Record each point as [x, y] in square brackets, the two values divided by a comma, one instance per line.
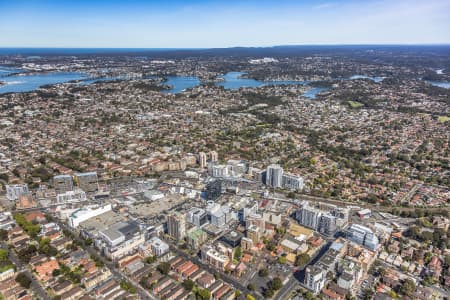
[312, 93]
[6, 71]
[231, 80]
[95, 80]
[375, 79]
[31, 82]
[234, 81]
[181, 83]
[251, 51]
[102, 79]
[442, 84]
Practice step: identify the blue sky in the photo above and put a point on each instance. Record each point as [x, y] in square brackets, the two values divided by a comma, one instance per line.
[221, 23]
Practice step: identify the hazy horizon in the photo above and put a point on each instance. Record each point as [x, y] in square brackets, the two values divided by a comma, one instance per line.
[221, 24]
[235, 47]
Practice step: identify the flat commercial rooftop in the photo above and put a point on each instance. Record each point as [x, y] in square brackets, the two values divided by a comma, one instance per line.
[127, 229]
[102, 222]
[153, 208]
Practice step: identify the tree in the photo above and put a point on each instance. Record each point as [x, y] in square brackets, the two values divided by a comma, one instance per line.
[276, 283]
[427, 257]
[263, 272]
[98, 262]
[292, 195]
[150, 259]
[127, 286]
[164, 268]
[42, 173]
[23, 280]
[408, 287]
[428, 280]
[281, 231]
[251, 287]
[3, 235]
[447, 260]
[302, 259]
[26, 253]
[29, 227]
[46, 248]
[368, 294]
[392, 294]
[144, 282]
[282, 260]
[204, 294]
[3, 254]
[188, 284]
[56, 272]
[308, 295]
[237, 252]
[4, 177]
[49, 218]
[270, 245]
[268, 293]
[381, 271]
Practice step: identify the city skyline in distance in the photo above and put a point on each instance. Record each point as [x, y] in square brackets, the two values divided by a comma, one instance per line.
[220, 24]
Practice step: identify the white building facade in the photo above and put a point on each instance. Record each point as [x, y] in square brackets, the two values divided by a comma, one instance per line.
[77, 195]
[274, 176]
[13, 192]
[85, 213]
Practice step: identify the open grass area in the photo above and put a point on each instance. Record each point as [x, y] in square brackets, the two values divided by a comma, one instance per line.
[5, 266]
[443, 119]
[355, 104]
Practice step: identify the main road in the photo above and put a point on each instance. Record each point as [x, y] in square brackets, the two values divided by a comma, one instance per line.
[287, 287]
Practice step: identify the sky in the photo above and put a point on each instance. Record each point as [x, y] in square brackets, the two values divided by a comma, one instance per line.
[221, 23]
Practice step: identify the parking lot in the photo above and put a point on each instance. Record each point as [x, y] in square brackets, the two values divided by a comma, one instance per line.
[153, 208]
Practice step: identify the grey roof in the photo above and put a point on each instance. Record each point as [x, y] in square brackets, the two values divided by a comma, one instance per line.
[314, 270]
[62, 176]
[328, 260]
[347, 276]
[128, 229]
[112, 234]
